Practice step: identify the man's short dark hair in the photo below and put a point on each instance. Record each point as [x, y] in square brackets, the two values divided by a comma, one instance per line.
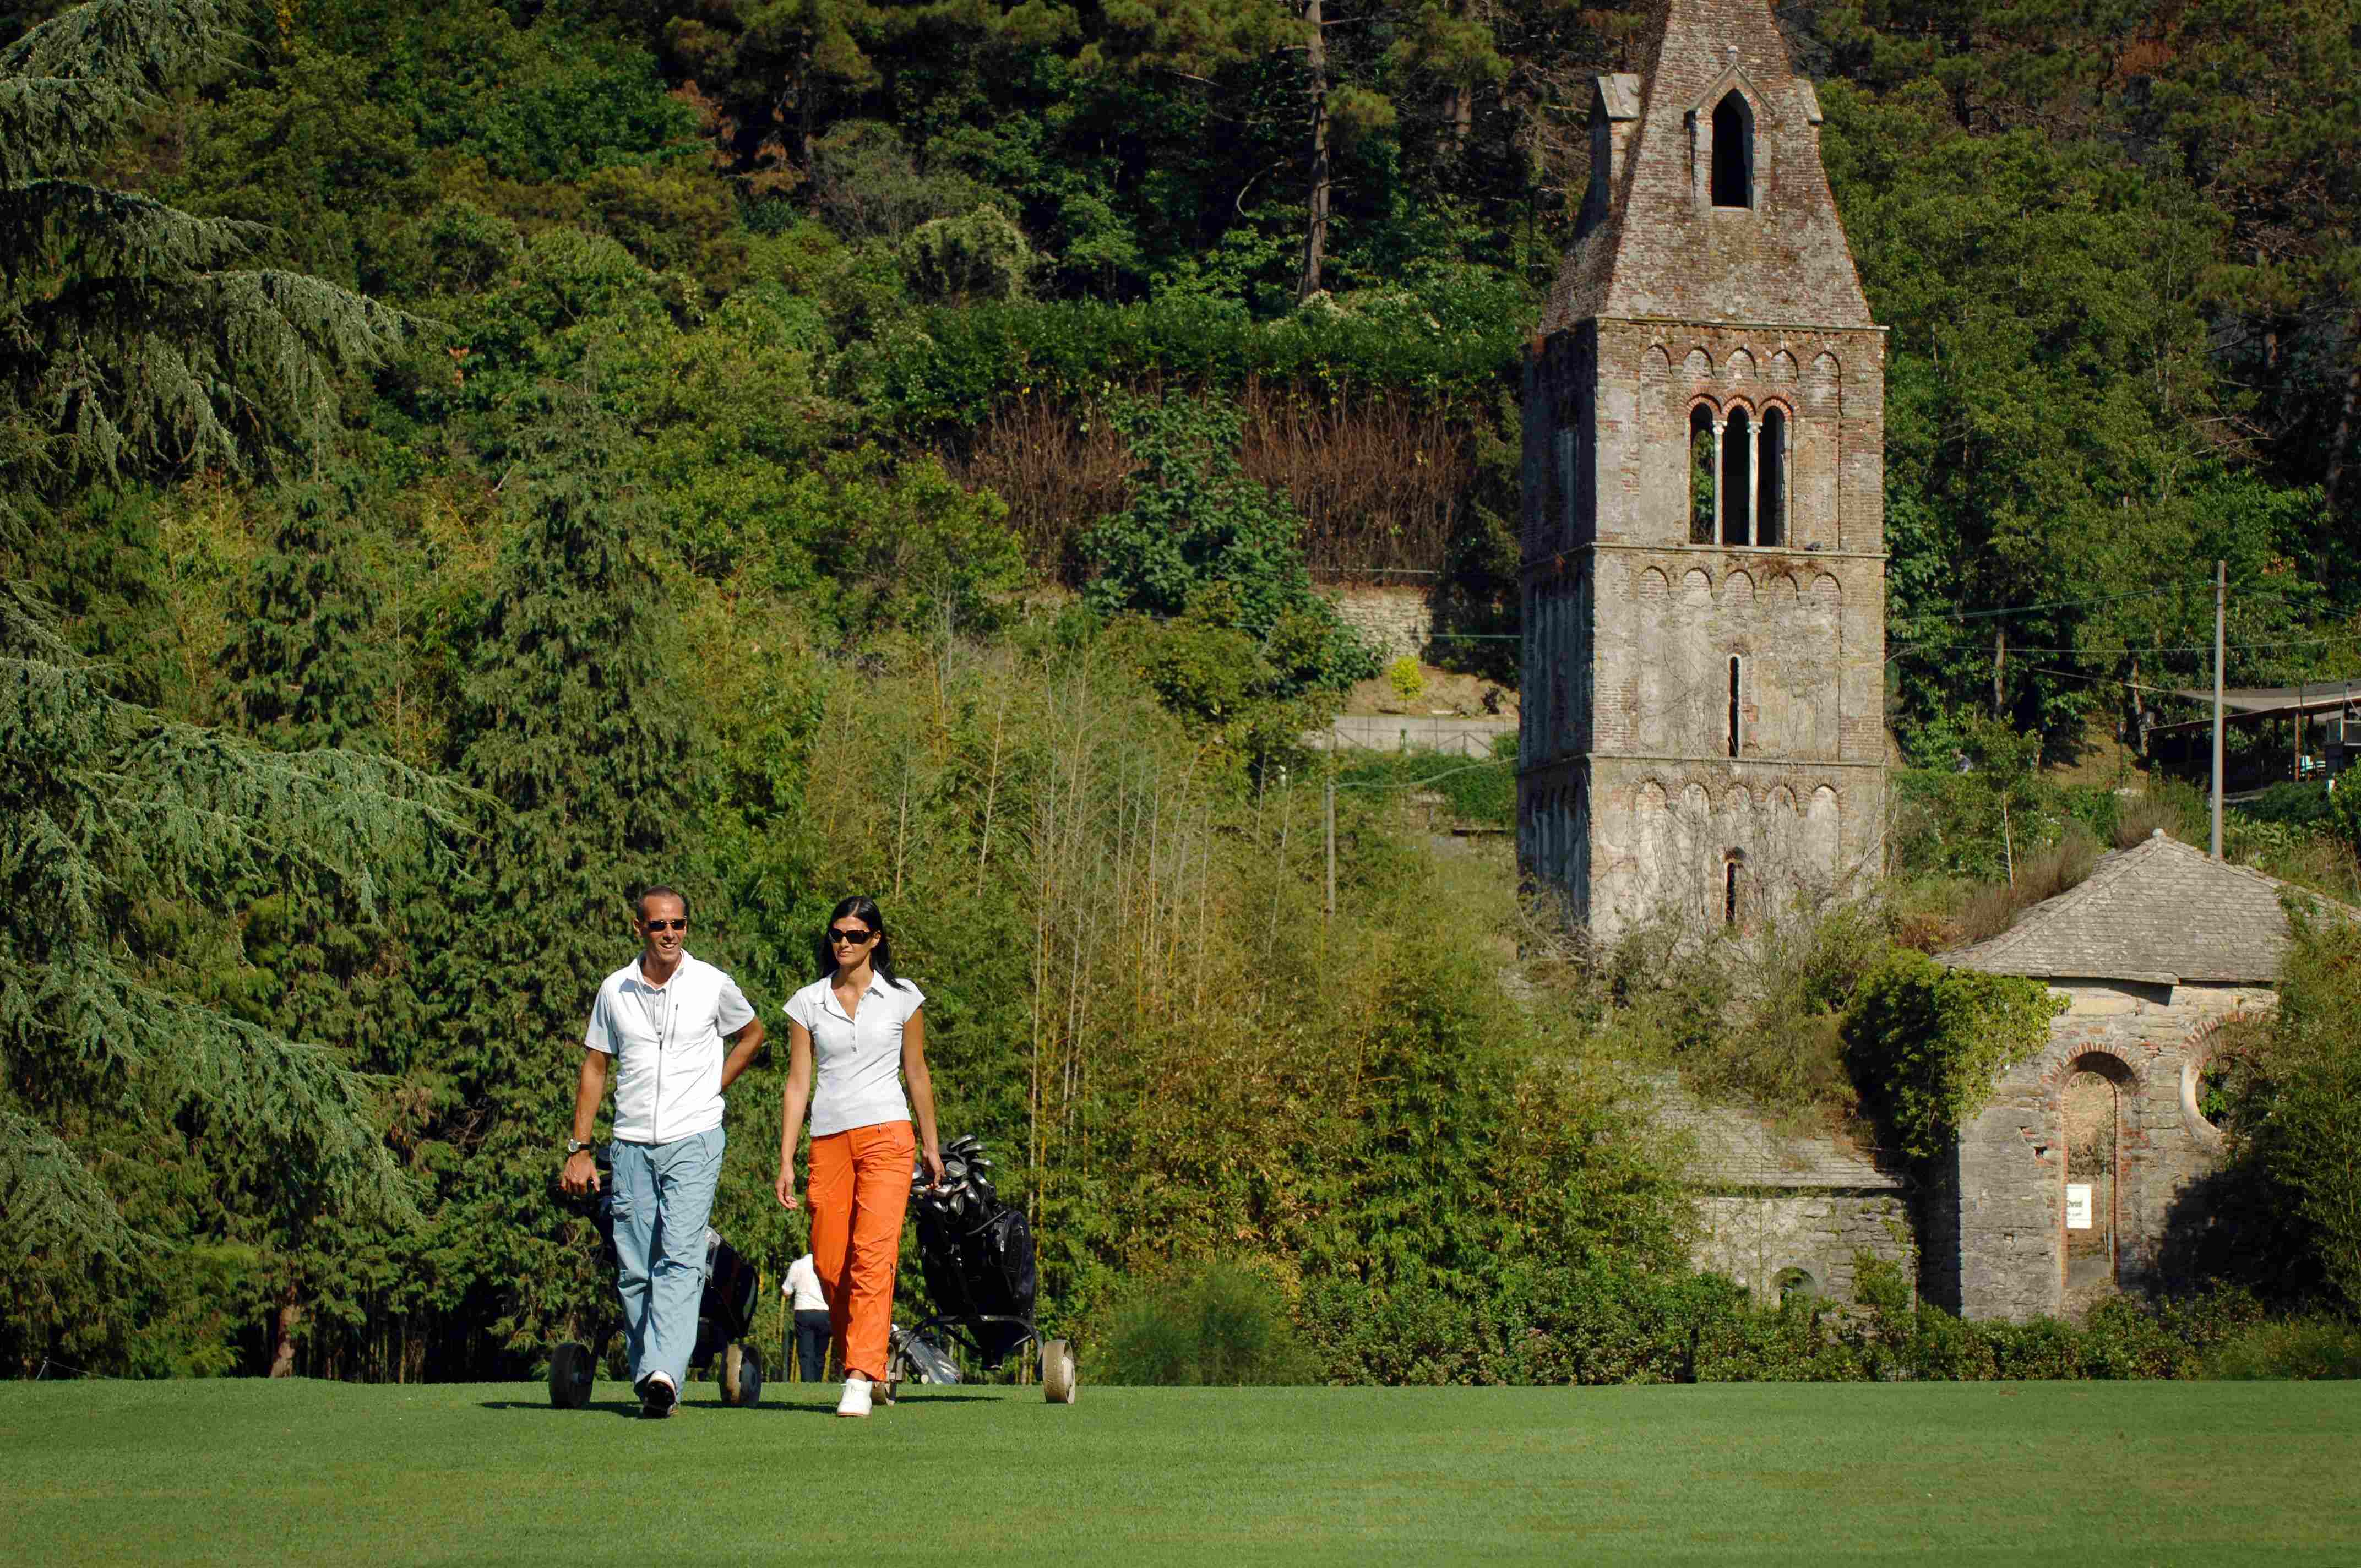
[639, 904]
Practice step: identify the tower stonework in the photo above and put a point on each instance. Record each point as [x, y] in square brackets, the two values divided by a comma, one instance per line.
[1703, 525]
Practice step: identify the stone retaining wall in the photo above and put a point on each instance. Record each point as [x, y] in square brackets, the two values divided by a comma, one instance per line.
[1394, 620]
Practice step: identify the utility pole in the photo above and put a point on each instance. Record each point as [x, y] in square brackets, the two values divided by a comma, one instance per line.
[1329, 913]
[2221, 603]
[2297, 774]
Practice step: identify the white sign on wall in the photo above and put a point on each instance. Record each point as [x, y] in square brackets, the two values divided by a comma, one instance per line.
[2078, 1205]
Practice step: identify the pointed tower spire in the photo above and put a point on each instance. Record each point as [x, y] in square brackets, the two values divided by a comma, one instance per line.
[1707, 198]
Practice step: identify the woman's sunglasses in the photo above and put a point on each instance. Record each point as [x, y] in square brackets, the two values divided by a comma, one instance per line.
[849, 938]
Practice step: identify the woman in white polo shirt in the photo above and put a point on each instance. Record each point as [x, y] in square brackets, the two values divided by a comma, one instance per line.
[854, 1036]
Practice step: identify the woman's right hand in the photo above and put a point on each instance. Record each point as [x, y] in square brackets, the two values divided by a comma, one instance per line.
[786, 1188]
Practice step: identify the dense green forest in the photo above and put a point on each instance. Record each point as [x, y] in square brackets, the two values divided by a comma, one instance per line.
[460, 462]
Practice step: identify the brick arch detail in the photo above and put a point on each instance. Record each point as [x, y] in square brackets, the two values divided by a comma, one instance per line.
[2057, 1064]
[2196, 1050]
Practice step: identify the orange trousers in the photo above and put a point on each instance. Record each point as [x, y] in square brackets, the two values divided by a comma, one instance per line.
[859, 1189]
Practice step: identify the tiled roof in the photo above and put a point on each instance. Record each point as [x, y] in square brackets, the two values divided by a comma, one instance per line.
[1735, 1148]
[2162, 911]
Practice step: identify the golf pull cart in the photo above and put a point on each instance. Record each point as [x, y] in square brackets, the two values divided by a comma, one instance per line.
[976, 1253]
[725, 1313]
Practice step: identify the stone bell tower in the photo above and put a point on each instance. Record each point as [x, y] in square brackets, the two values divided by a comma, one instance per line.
[1702, 527]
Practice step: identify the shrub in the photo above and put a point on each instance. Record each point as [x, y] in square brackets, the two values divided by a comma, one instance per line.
[898, 545]
[2299, 804]
[2296, 1111]
[1924, 1041]
[2323, 1349]
[1777, 1044]
[1406, 679]
[1474, 792]
[2040, 874]
[1212, 1324]
[2140, 819]
[977, 255]
[2344, 816]
[1200, 538]
[966, 363]
[1952, 824]
[866, 184]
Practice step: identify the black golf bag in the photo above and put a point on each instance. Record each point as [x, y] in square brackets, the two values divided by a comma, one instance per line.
[976, 1255]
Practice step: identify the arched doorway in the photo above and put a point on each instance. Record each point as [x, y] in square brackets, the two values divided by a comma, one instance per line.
[2091, 1112]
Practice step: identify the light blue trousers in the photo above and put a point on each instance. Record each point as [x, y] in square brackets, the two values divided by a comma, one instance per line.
[662, 1196]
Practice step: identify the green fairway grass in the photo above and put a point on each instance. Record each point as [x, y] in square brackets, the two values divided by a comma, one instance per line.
[324, 1473]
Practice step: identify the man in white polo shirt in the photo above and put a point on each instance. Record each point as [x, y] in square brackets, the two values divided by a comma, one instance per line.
[664, 1018]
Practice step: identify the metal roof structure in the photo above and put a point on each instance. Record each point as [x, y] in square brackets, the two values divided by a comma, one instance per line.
[2242, 705]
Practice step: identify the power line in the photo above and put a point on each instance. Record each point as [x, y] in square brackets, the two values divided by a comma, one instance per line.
[2128, 652]
[2249, 594]
[2030, 609]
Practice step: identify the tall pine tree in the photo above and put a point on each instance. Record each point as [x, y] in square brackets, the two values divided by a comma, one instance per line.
[138, 339]
[568, 723]
[134, 335]
[327, 969]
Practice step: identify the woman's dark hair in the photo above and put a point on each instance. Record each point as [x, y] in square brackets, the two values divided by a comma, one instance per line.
[863, 908]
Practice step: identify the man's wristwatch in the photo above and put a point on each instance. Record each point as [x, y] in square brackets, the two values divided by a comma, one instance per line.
[574, 1147]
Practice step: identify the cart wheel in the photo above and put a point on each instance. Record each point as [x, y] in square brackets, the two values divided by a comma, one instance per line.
[1058, 1379]
[742, 1376]
[571, 1372]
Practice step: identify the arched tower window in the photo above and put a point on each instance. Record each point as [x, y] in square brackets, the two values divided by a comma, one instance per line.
[1737, 454]
[1703, 475]
[1771, 488]
[1733, 152]
[1734, 888]
[1733, 705]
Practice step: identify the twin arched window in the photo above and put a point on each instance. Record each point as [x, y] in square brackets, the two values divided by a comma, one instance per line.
[1738, 476]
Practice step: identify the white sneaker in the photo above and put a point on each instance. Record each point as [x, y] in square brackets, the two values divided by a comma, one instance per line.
[856, 1397]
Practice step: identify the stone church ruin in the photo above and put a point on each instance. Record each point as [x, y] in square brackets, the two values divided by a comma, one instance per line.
[1703, 738]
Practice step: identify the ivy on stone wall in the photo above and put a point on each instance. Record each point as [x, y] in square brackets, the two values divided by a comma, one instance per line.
[1924, 1043]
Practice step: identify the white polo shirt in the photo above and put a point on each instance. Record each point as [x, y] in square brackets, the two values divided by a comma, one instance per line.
[667, 1045]
[858, 1081]
[801, 1287]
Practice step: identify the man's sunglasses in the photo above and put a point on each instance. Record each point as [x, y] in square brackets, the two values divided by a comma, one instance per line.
[849, 938]
[666, 925]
